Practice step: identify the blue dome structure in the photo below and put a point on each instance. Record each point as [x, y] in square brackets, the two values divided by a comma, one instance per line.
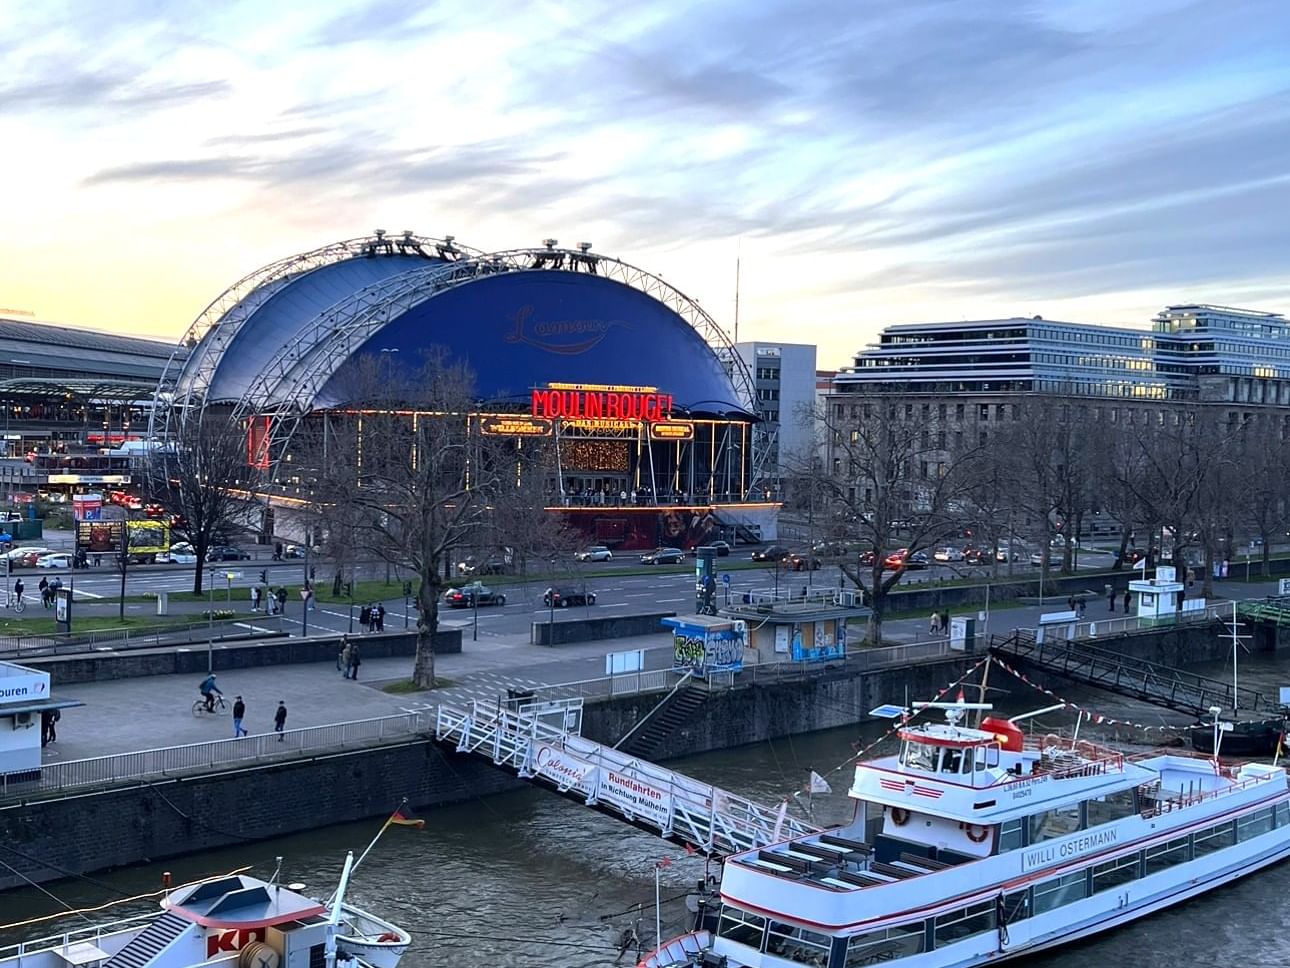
[284, 342]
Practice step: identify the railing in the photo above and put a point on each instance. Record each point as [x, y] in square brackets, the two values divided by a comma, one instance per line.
[217, 754]
[96, 640]
[94, 933]
[1130, 624]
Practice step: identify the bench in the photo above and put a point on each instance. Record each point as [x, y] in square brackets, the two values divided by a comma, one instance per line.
[791, 863]
[861, 880]
[839, 884]
[833, 854]
[770, 866]
[927, 863]
[845, 842]
[891, 870]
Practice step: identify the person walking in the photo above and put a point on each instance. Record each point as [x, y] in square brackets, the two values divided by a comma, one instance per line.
[54, 716]
[355, 660]
[282, 599]
[934, 624]
[346, 653]
[1079, 607]
[380, 617]
[44, 591]
[365, 617]
[1128, 597]
[239, 713]
[17, 592]
[46, 723]
[255, 598]
[280, 719]
[1110, 599]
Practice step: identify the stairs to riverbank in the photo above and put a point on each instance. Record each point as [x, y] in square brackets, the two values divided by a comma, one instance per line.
[680, 707]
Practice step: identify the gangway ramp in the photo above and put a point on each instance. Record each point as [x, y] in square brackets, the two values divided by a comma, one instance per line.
[541, 742]
[1129, 676]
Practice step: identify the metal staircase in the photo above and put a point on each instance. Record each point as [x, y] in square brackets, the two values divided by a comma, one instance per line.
[540, 742]
[149, 942]
[1125, 675]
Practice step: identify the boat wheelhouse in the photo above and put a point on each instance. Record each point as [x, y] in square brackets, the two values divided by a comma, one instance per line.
[973, 845]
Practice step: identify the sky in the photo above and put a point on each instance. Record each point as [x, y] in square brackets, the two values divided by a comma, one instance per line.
[865, 162]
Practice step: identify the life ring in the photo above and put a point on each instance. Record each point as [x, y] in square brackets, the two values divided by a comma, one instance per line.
[899, 816]
[975, 832]
[388, 936]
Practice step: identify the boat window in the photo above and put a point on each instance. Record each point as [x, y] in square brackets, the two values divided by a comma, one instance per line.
[919, 756]
[1283, 814]
[1010, 835]
[1166, 855]
[1114, 873]
[889, 944]
[1016, 907]
[1253, 824]
[1060, 890]
[987, 757]
[798, 945]
[741, 927]
[1113, 806]
[1058, 822]
[952, 761]
[964, 922]
[1213, 838]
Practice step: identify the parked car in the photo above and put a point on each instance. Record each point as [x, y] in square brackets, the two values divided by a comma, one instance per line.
[948, 555]
[492, 565]
[59, 559]
[663, 556]
[595, 553]
[29, 558]
[567, 597]
[1054, 558]
[867, 558]
[17, 554]
[771, 553]
[227, 553]
[182, 556]
[473, 594]
[902, 559]
[801, 562]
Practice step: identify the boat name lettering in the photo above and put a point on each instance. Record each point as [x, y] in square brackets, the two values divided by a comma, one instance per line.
[552, 763]
[1067, 849]
[1021, 789]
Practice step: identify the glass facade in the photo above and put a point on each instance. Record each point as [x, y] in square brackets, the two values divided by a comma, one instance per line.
[1179, 358]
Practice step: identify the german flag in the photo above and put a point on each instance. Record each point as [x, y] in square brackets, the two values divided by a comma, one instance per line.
[398, 817]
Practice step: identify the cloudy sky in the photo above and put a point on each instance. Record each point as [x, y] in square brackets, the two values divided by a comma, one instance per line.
[870, 161]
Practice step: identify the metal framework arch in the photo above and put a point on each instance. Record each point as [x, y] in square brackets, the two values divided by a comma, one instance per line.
[225, 316]
[288, 384]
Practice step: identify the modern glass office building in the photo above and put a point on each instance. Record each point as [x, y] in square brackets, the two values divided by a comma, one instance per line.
[1201, 353]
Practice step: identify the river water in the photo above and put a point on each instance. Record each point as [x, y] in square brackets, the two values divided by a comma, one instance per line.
[529, 879]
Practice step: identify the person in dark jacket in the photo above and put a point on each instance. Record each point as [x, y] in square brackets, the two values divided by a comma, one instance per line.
[280, 719]
[355, 660]
[239, 713]
[380, 617]
[365, 617]
[1128, 597]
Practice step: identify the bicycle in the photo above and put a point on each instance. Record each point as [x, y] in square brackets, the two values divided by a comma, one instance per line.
[219, 706]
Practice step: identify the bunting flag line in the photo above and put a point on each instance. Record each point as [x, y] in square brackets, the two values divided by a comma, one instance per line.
[1091, 716]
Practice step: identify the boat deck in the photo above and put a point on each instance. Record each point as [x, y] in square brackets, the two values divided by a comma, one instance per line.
[840, 863]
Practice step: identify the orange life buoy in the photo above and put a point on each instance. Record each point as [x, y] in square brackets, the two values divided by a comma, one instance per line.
[899, 816]
[388, 936]
[975, 832]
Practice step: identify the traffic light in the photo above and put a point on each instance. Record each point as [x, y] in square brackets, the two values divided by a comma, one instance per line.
[407, 589]
[264, 576]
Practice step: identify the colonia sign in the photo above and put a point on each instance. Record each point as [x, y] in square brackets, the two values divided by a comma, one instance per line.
[582, 401]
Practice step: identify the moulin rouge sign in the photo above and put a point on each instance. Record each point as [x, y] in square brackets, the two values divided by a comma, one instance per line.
[586, 402]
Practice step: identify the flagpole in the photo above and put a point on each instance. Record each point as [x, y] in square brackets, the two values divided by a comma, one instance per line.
[658, 911]
[367, 850]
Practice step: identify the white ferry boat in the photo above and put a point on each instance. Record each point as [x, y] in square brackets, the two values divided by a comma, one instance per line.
[977, 845]
[236, 921]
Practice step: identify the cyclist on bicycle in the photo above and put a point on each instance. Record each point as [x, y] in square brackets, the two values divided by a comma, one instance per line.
[209, 692]
[17, 594]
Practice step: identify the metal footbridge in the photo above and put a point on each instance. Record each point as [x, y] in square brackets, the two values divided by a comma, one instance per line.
[1129, 676]
[542, 742]
[1275, 610]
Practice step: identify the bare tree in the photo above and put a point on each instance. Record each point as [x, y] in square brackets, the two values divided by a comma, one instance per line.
[423, 477]
[892, 484]
[1264, 492]
[203, 476]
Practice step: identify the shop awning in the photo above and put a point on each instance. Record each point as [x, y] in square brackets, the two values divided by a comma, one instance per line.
[40, 706]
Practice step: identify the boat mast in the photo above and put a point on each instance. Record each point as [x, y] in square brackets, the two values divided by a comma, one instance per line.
[1236, 703]
[333, 917]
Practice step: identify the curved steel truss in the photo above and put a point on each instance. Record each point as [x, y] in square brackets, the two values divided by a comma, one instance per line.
[184, 381]
[287, 386]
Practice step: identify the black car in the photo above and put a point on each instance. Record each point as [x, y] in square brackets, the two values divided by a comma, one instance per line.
[771, 553]
[473, 594]
[494, 565]
[722, 548]
[567, 597]
[227, 553]
[663, 556]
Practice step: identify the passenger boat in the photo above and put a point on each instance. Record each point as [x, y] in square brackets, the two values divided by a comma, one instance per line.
[236, 921]
[973, 846]
[1247, 737]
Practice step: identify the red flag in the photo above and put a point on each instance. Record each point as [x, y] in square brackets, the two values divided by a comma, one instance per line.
[689, 849]
[961, 697]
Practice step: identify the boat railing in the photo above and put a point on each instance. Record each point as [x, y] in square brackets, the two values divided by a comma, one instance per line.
[1075, 757]
[1169, 802]
[93, 933]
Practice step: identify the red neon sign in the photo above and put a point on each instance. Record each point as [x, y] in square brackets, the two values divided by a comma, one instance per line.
[578, 402]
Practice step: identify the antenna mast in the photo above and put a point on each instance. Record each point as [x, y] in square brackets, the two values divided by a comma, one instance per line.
[737, 295]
